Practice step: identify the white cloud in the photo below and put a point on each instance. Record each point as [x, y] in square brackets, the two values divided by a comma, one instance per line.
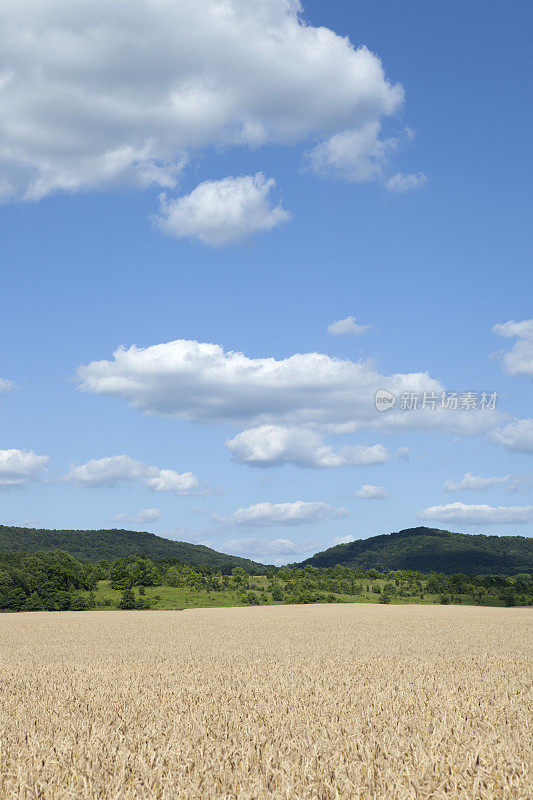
[272, 445]
[168, 480]
[108, 471]
[201, 382]
[469, 481]
[263, 515]
[518, 360]
[143, 516]
[518, 436]
[225, 211]
[401, 183]
[266, 547]
[343, 539]
[6, 386]
[114, 470]
[17, 467]
[354, 155]
[370, 492]
[348, 326]
[477, 514]
[285, 405]
[103, 92]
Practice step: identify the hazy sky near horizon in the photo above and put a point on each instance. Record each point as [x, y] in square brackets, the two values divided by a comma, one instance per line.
[224, 227]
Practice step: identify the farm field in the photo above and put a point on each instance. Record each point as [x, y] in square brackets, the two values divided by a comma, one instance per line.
[311, 702]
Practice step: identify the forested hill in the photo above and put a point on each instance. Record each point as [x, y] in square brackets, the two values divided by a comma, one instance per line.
[111, 544]
[422, 549]
[429, 549]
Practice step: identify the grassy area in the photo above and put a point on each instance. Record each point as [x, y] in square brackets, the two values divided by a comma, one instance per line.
[169, 597]
[172, 598]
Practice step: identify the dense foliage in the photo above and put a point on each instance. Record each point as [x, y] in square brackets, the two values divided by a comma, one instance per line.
[45, 581]
[57, 581]
[427, 549]
[421, 549]
[111, 544]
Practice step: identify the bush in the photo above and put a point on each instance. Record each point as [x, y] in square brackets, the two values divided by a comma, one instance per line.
[127, 601]
[12, 599]
[508, 598]
[277, 593]
[34, 603]
[78, 602]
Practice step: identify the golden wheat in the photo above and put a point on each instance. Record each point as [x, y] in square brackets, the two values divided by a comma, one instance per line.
[341, 702]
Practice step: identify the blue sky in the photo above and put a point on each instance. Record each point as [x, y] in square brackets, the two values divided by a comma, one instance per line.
[302, 187]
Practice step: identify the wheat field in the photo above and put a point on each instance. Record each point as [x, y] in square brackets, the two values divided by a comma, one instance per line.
[333, 702]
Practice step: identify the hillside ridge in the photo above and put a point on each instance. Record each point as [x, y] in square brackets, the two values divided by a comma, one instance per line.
[432, 550]
[109, 544]
[420, 548]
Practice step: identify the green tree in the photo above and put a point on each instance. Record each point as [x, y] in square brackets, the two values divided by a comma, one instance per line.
[78, 602]
[127, 601]
[120, 575]
[34, 602]
[277, 593]
[240, 577]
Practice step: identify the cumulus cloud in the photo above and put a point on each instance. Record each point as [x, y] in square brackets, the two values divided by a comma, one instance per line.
[6, 386]
[203, 383]
[17, 467]
[266, 547]
[518, 360]
[370, 492]
[144, 516]
[114, 470]
[517, 436]
[225, 211]
[272, 445]
[109, 471]
[353, 155]
[262, 515]
[477, 514]
[470, 481]
[103, 92]
[168, 480]
[401, 183]
[347, 327]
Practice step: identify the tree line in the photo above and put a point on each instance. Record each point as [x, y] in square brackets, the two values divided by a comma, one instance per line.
[56, 581]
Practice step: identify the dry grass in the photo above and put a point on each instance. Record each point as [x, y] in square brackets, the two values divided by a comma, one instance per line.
[289, 703]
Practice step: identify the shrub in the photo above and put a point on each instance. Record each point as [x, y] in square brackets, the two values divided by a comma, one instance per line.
[127, 601]
[277, 593]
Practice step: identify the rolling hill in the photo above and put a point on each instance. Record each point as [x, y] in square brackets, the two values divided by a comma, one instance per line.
[423, 549]
[430, 549]
[110, 544]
